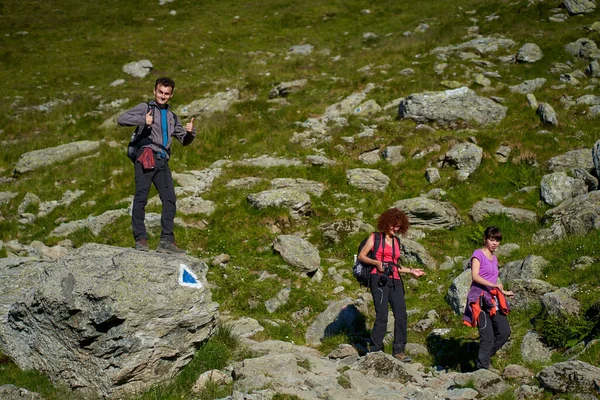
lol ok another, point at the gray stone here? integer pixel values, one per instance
(577, 216)
(593, 69)
(426, 323)
(244, 327)
(280, 299)
(215, 376)
(533, 350)
(425, 213)
(529, 292)
(481, 45)
(94, 223)
(506, 249)
(532, 101)
(415, 253)
(590, 180)
(336, 232)
(347, 105)
(268, 162)
(393, 154)
(580, 158)
(109, 321)
(302, 49)
(368, 179)
(558, 186)
(451, 106)
(514, 371)
(342, 351)
(297, 202)
(576, 7)
(243, 183)
(488, 207)
(560, 303)
(138, 69)
(529, 268)
(502, 154)
(53, 155)
(319, 160)
(12, 392)
(483, 381)
(370, 157)
(6, 197)
(530, 53)
(285, 88)
(458, 290)
(297, 252)
(526, 392)
(221, 259)
(219, 102)
(196, 182)
(596, 158)
(464, 156)
(481, 80)
(547, 114)
(582, 262)
(195, 205)
(583, 48)
(432, 175)
(299, 184)
(340, 316)
(570, 377)
(367, 109)
(528, 86)
(588, 100)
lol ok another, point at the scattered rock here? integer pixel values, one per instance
(368, 179)
(297, 252)
(425, 213)
(285, 88)
(297, 202)
(488, 207)
(576, 7)
(570, 377)
(219, 102)
(53, 155)
(547, 114)
(528, 86)
(138, 69)
(533, 350)
(530, 53)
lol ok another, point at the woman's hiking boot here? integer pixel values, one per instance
(403, 357)
(142, 245)
(169, 248)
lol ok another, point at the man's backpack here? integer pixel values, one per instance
(362, 272)
(141, 137)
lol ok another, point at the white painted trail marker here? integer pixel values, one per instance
(188, 278)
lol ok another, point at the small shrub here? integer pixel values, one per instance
(563, 331)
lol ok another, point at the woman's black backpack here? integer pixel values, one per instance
(362, 272)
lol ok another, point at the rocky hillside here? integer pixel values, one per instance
(312, 119)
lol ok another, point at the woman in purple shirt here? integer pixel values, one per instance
(486, 303)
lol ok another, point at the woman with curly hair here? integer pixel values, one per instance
(386, 282)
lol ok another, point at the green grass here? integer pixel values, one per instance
(73, 51)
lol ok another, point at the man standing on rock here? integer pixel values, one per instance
(157, 125)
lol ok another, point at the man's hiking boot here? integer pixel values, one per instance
(403, 357)
(169, 248)
(142, 245)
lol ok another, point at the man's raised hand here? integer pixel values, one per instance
(190, 125)
(149, 118)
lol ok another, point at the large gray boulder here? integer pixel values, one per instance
(528, 292)
(576, 216)
(299, 184)
(547, 114)
(576, 7)
(529, 53)
(450, 106)
(528, 86)
(571, 377)
(368, 179)
(529, 268)
(458, 290)
(533, 350)
(464, 156)
(336, 232)
(558, 186)
(487, 207)
(53, 155)
(298, 252)
(426, 213)
(415, 253)
(12, 392)
(583, 48)
(297, 202)
(109, 321)
(580, 158)
(138, 69)
(560, 303)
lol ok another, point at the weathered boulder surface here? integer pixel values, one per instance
(529, 268)
(297, 252)
(449, 106)
(53, 155)
(533, 350)
(426, 213)
(576, 216)
(558, 186)
(530, 53)
(415, 253)
(297, 202)
(107, 321)
(580, 158)
(488, 207)
(208, 105)
(338, 231)
(464, 156)
(11, 392)
(528, 292)
(285, 88)
(340, 316)
(368, 179)
(458, 290)
(576, 7)
(571, 377)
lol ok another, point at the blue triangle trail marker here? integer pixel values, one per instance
(188, 278)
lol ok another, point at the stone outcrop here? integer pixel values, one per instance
(558, 186)
(208, 105)
(488, 207)
(368, 179)
(571, 377)
(138, 69)
(107, 321)
(297, 252)
(426, 213)
(53, 155)
(450, 106)
(580, 158)
(338, 231)
(529, 268)
(297, 202)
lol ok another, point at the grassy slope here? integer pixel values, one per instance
(74, 50)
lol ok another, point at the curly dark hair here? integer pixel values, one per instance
(393, 217)
(164, 81)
